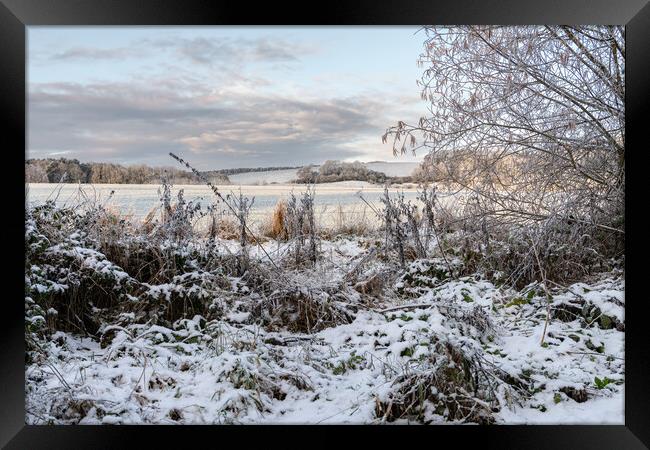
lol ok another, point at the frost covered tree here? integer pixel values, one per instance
(530, 120)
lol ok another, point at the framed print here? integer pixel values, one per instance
(363, 216)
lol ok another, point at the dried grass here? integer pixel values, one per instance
(301, 311)
(275, 226)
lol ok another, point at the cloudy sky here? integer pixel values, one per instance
(220, 97)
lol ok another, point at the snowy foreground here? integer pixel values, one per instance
(410, 347)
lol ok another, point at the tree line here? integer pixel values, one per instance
(51, 170)
(331, 171)
(251, 169)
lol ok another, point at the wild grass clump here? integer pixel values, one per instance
(453, 383)
(551, 251)
(296, 302)
(224, 228)
(275, 226)
(348, 223)
(293, 221)
(302, 311)
(447, 388)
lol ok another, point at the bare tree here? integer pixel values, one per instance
(527, 123)
(531, 118)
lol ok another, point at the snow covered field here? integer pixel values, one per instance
(284, 176)
(393, 169)
(136, 201)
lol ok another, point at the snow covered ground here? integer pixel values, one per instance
(235, 368)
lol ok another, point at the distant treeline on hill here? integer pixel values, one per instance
(332, 171)
(52, 170)
(249, 169)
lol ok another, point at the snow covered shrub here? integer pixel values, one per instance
(243, 374)
(68, 280)
(75, 285)
(422, 274)
(185, 295)
(451, 383)
(452, 380)
(302, 310)
(298, 302)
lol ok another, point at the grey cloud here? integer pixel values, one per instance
(202, 50)
(216, 52)
(93, 53)
(132, 123)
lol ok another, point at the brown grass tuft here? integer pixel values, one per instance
(275, 226)
(148, 223)
(226, 228)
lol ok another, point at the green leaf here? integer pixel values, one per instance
(601, 384)
(517, 301)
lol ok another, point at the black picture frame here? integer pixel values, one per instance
(16, 15)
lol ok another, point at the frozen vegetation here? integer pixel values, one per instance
(501, 303)
(291, 321)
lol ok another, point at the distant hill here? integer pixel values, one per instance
(278, 176)
(248, 170)
(52, 170)
(393, 168)
(335, 171)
